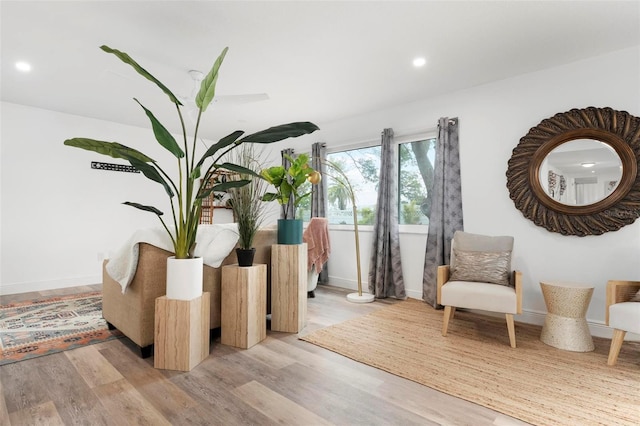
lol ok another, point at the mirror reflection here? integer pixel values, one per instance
(580, 172)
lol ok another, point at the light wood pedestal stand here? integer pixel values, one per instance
(181, 339)
(244, 305)
(288, 287)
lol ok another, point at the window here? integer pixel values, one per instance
(303, 211)
(362, 167)
(415, 160)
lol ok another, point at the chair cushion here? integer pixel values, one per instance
(477, 295)
(625, 316)
(482, 266)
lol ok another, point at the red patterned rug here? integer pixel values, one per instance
(43, 327)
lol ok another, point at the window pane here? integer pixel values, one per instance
(362, 167)
(416, 160)
(303, 211)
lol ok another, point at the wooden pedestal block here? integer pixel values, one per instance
(288, 287)
(244, 305)
(181, 339)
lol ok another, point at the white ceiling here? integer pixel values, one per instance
(317, 61)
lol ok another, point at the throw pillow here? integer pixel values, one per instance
(636, 297)
(477, 242)
(482, 266)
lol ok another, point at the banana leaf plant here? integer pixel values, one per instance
(188, 208)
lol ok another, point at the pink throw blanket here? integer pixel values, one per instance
(317, 238)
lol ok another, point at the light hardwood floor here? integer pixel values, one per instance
(282, 380)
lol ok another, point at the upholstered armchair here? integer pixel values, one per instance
(480, 277)
(622, 314)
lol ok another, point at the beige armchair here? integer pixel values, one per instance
(133, 313)
(480, 277)
(622, 313)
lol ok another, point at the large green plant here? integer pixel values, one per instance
(187, 211)
(288, 183)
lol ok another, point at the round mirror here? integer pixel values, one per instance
(580, 172)
(576, 173)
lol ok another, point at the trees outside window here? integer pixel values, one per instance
(415, 180)
(362, 166)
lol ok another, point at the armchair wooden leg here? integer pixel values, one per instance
(616, 344)
(448, 314)
(512, 330)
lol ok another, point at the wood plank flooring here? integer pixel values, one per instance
(281, 381)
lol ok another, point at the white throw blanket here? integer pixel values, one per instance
(213, 244)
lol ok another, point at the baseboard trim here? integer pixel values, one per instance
(346, 283)
(27, 287)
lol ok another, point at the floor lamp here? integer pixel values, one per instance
(341, 178)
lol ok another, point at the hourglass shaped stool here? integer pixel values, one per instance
(565, 326)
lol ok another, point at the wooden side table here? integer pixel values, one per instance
(181, 332)
(244, 305)
(565, 326)
(288, 287)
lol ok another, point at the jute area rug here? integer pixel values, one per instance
(535, 383)
(42, 327)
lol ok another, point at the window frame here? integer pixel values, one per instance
(398, 139)
(406, 228)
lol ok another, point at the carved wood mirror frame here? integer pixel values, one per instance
(618, 129)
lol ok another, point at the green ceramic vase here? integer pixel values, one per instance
(289, 231)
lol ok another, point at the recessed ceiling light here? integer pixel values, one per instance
(587, 164)
(23, 66)
(419, 62)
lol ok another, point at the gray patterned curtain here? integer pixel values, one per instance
(288, 208)
(385, 268)
(445, 217)
(318, 195)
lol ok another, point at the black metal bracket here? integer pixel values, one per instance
(113, 167)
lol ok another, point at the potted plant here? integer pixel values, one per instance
(183, 191)
(246, 203)
(288, 183)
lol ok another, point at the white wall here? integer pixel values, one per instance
(59, 217)
(493, 118)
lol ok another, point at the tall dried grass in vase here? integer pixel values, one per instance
(246, 201)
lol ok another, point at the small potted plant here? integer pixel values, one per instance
(246, 202)
(288, 183)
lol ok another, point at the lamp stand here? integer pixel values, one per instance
(358, 297)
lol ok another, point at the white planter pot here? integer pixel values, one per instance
(184, 278)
